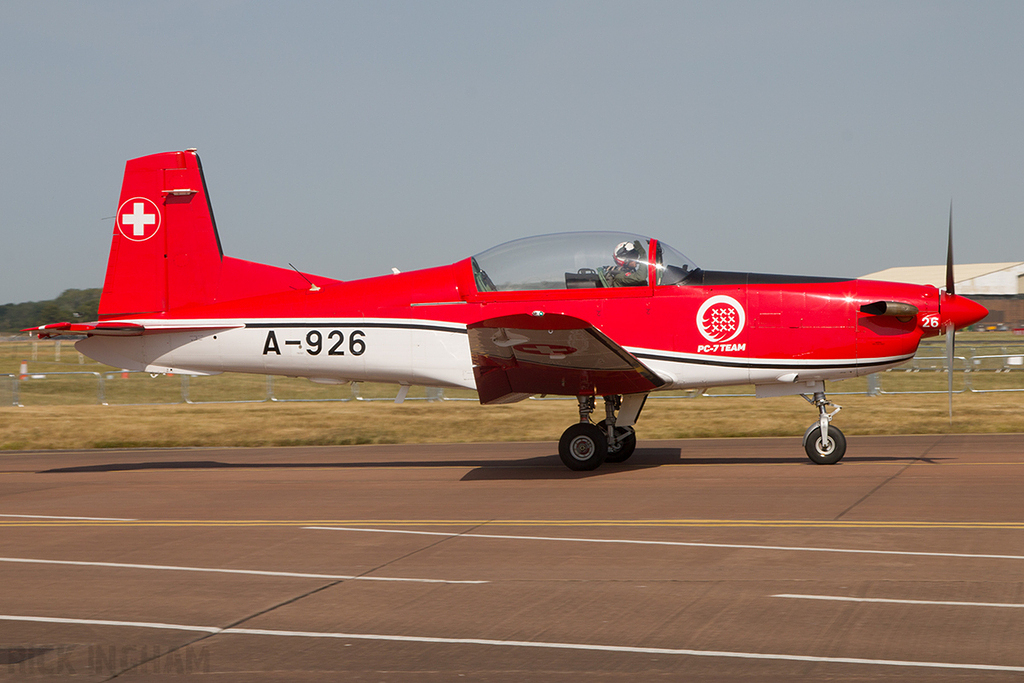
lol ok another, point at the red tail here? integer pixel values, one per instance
(166, 252)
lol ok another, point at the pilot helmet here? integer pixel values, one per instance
(627, 251)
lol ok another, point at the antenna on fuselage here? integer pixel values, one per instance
(312, 287)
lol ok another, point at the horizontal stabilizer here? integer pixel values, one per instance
(116, 329)
(520, 355)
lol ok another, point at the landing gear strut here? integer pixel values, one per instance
(621, 440)
(830, 448)
(584, 446)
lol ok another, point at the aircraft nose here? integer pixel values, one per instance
(960, 310)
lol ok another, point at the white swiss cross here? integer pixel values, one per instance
(138, 219)
(552, 350)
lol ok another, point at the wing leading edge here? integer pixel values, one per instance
(517, 356)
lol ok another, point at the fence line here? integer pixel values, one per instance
(16, 388)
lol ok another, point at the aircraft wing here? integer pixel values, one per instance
(119, 329)
(517, 356)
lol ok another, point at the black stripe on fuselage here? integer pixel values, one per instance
(360, 323)
(768, 366)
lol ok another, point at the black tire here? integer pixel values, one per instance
(621, 451)
(828, 453)
(583, 447)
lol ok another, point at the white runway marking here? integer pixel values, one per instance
(840, 598)
(90, 519)
(518, 643)
(738, 546)
(255, 572)
(107, 622)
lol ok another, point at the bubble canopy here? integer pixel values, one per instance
(580, 260)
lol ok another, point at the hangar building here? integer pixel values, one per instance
(997, 286)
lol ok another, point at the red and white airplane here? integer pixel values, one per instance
(587, 314)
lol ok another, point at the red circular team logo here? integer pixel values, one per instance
(138, 219)
(720, 318)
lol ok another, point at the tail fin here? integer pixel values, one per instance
(166, 253)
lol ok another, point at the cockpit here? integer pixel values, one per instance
(580, 260)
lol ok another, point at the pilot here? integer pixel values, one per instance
(630, 265)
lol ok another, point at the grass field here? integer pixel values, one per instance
(63, 410)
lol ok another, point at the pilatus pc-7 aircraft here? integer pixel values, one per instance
(588, 314)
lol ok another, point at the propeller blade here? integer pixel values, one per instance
(950, 326)
(949, 254)
(950, 347)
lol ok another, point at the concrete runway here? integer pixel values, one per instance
(714, 560)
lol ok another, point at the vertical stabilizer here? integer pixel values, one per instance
(165, 253)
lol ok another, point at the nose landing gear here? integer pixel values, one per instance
(824, 444)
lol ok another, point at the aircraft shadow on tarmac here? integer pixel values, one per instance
(645, 458)
(540, 467)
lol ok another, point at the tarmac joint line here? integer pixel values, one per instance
(919, 458)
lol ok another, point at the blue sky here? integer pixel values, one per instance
(824, 138)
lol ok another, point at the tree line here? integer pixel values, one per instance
(73, 305)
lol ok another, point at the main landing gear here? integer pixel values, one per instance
(830, 449)
(584, 446)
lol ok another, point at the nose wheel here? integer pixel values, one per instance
(827, 451)
(824, 443)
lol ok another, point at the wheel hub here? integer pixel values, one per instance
(581, 448)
